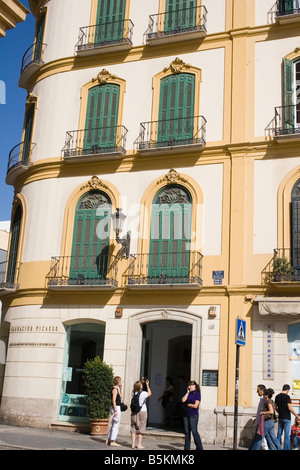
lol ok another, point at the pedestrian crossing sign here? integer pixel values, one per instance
(241, 332)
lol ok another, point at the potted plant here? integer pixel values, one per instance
(98, 383)
(282, 269)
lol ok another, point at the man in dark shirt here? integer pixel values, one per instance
(284, 409)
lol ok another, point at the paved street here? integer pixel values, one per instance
(24, 438)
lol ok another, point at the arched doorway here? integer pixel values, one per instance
(166, 352)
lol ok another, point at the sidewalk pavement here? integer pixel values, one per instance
(25, 438)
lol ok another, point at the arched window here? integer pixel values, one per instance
(295, 225)
(89, 259)
(176, 108)
(13, 249)
(170, 234)
(101, 117)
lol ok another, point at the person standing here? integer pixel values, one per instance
(115, 412)
(284, 408)
(167, 402)
(192, 400)
(139, 418)
(269, 413)
(258, 436)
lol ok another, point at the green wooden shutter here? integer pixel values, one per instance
(110, 21)
(288, 94)
(170, 237)
(176, 108)
(89, 257)
(101, 117)
(27, 135)
(13, 249)
(39, 39)
(289, 5)
(180, 15)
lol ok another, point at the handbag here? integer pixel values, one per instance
(123, 407)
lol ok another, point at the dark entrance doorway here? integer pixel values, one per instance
(166, 352)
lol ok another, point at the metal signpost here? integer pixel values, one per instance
(240, 341)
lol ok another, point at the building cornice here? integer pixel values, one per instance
(11, 13)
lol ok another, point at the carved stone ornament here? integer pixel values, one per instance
(172, 178)
(165, 314)
(94, 183)
(177, 66)
(103, 77)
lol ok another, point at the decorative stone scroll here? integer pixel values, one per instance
(177, 66)
(103, 77)
(172, 178)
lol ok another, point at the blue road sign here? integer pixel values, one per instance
(241, 332)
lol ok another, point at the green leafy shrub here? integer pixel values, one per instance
(98, 383)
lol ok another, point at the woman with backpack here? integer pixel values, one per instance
(139, 412)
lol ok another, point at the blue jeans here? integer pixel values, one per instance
(273, 442)
(256, 442)
(285, 425)
(191, 426)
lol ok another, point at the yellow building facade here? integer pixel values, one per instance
(181, 116)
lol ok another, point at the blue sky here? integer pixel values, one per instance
(12, 48)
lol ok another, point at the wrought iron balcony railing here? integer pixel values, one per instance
(287, 120)
(87, 142)
(83, 271)
(284, 266)
(188, 132)
(180, 268)
(9, 272)
(105, 34)
(285, 8)
(177, 22)
(19, 159)
(33, 55)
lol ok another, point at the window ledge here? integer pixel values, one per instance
(157, 148)
(163, 37)
(14, 172)
(28, 72)
(291, 18)
(94, 49)
(108, 154)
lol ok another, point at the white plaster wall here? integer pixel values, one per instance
(281, 373)
(268, 175)
(46, 202)
(215, 15)
(268, 79)
(64, 18)
(59, 99)
(263, 8)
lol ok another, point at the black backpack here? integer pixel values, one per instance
(135, 405)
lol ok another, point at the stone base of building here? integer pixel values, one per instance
(30, 412)
(225, 426)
